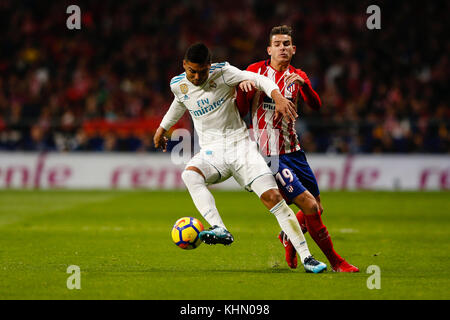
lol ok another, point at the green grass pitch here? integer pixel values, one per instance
(121, 242)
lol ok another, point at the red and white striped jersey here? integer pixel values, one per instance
(275, 137)
(278, 136)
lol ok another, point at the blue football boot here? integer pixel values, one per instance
(313, 266)
(215, 235)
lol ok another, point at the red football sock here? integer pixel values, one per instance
(320, 235)
(301, 220)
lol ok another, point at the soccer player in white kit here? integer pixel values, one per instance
(207, 91)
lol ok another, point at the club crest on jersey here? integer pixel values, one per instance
(184, 88)
(212, 84)
(289, 91)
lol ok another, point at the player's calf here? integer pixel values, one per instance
(290, 253)
(302, 221)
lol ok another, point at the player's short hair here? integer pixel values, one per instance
(198, 53)
(284, 29)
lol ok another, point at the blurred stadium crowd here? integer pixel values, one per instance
(105, 87)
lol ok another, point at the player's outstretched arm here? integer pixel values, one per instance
(283, 106)
(233, 76)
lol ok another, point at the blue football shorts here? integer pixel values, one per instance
(294, 176)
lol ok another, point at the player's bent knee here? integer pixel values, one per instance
(320, 209)
(271, 197)
(191, 177)
(194, 169)
(314, 208)
(307, 203)
(309, 206)
(263, 184)
(319, 204)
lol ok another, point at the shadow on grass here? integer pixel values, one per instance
(181, 271)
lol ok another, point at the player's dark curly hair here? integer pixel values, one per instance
(284, 29)
(198, 53)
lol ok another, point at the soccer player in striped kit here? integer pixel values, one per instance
(276, 137)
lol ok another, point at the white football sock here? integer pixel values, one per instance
(289, 224)
(202, 197)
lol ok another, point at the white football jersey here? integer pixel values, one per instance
(211, 105)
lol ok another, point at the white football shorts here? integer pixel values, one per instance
(240, 160)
